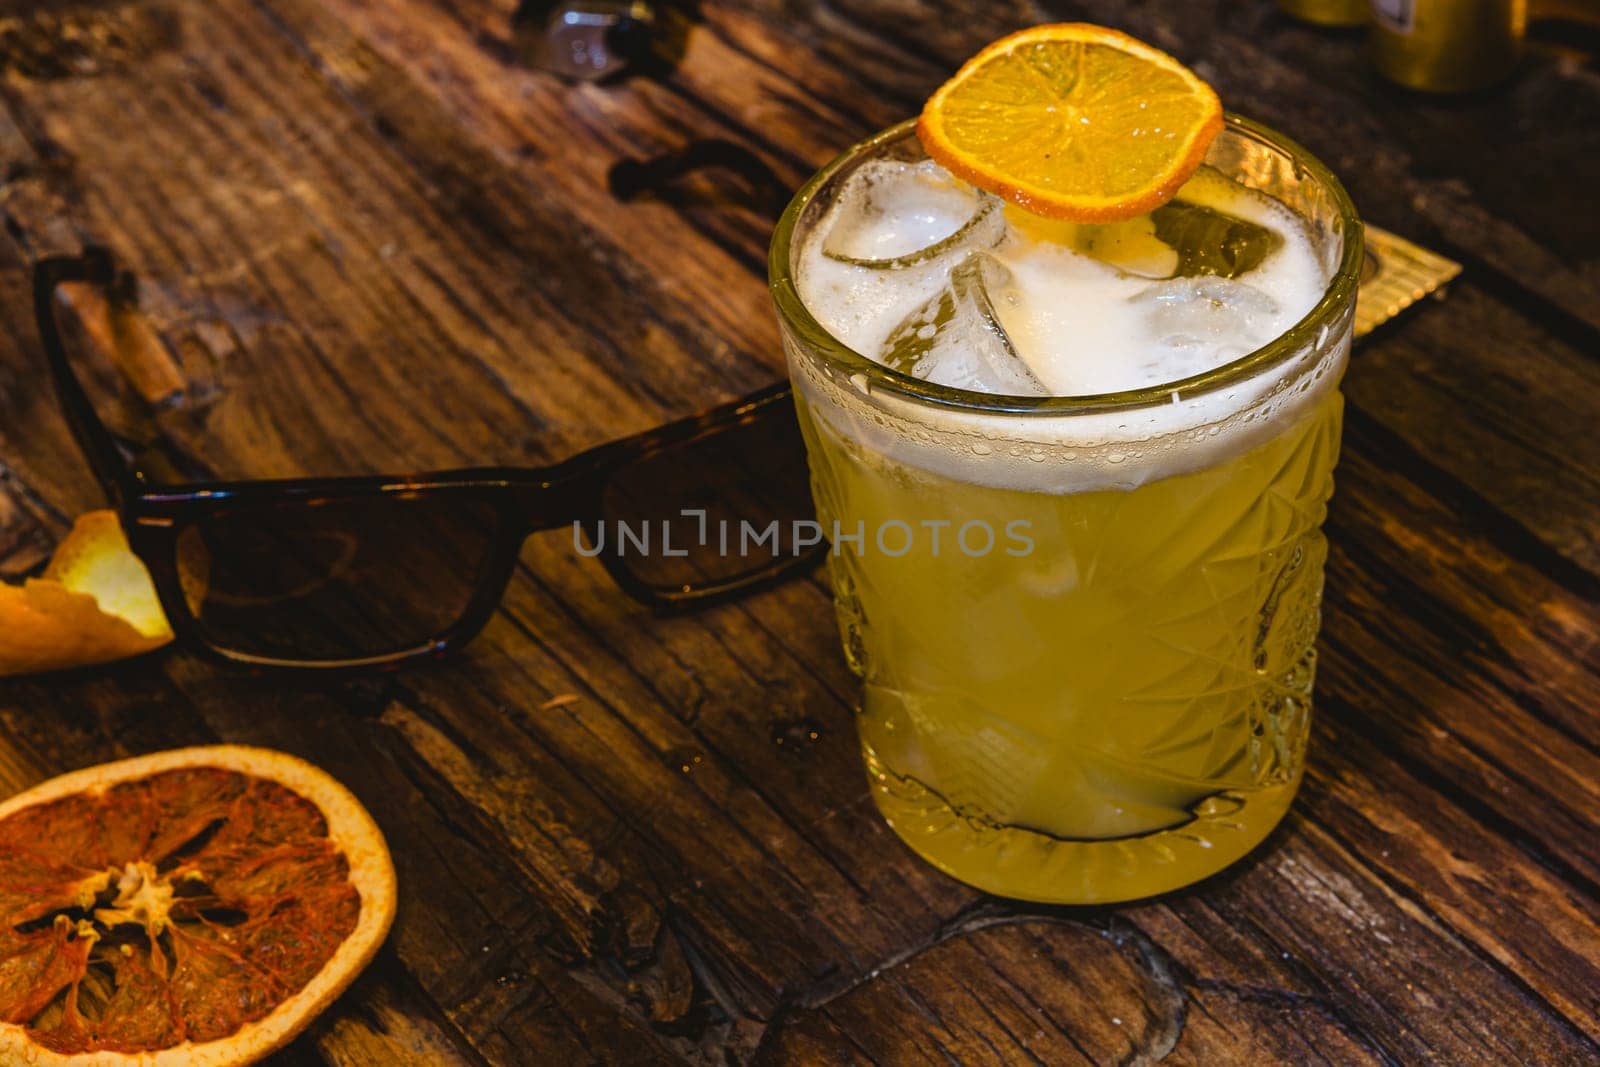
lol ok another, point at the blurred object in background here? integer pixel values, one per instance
(583, 40)
(1448, 46)
(1444, 46)
(1585, 11)
(1329, 12)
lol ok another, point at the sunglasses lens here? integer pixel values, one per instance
(327, 582)
(704, 515)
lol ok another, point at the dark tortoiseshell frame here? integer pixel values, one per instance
(525, 500)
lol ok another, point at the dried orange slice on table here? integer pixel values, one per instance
(194, 908)
(1073, 121)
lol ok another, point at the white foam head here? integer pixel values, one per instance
(1084, 311)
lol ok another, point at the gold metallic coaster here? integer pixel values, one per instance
(1396, 275)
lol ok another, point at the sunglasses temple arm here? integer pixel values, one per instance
(570, 492)
(94, 439)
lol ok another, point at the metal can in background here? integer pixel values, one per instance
(1448, 46)
(1329, 12)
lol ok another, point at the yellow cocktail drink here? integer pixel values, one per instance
(1075, 478)
(1120, 710)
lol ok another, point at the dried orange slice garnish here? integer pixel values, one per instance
(94, 604)
(197, 907)
(1073, 121)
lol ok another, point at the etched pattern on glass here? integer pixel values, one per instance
(1135, 692)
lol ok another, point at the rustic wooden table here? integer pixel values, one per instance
(371, 241)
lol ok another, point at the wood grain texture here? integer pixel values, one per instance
(366, 239)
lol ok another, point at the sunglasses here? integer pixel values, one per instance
(364, 571)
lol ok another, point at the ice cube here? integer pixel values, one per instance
(1131, 246)
(1209, 241)
(1204, 322)
(956, 339)
(892, 214)
(1179, 239)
